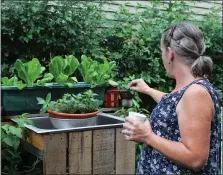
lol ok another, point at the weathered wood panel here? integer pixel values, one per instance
(80, 147)
(104, 151)
(54, 153)
(125, 154)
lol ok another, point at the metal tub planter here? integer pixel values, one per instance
(93, 146)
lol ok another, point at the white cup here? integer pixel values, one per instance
(137, 116)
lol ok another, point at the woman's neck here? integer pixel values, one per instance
(183, 77)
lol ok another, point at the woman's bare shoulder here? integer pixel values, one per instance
(196, 90)
(196, 99)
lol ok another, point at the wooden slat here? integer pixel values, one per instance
(80, 147)
(35, 139)
(103, 151)
(54, 153)
(125, 154)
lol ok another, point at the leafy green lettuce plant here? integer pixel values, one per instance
(30, 74)
(96, 73)
(13, 81)
(62, 69)
(29, 71)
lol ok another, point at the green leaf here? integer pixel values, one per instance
(12, 142)
(70, 85)
(42, 69)
(48, 98)
(56, 66)
(61, 78)
(5, 81)
(20, 85)
(20, 122)
(25, 115)
(40, 100)
(16, 131)
(9, 141)
(47, 78)
(113, 83)
(5, 127)
(44, 108)
(72, 65)
(30, 36)
(73, 79)
(23, 120)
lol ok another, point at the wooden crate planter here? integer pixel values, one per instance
(103, 151)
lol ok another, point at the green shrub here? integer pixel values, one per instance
(43, 30)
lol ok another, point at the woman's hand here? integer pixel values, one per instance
(139, 132)
(139, 85)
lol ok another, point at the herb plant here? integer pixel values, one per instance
(73, 104)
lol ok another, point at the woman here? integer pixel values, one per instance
(182, 136)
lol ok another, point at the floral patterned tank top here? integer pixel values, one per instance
(164, 123)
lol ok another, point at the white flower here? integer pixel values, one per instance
(174, 168)
(158, 133)
(154, 161)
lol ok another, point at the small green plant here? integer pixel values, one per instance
(10, 141)
(13, 81)
(45, 103)
(123, 85)
(73, 104)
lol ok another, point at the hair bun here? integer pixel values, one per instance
(202, 66)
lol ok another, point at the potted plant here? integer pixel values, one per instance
(71, 109)
(19, 92)
(125, 93)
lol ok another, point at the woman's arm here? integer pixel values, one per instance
(140, 86)
(155, 94)
(195, 112)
